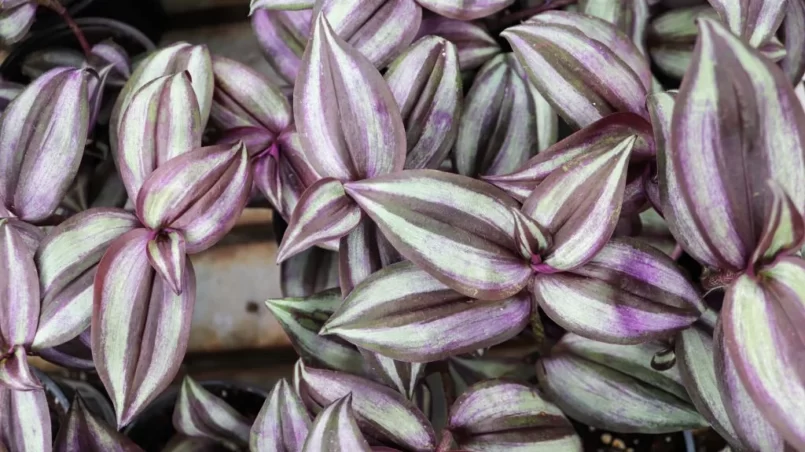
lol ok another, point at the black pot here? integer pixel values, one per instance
(145, 15)
(153, 428)
(95, 29)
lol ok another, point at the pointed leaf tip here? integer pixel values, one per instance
(200, 413)
(575, 63)
(628, 293)
(166, 252)
(324, 213)
(283, 422)
(404, 313)
(344, 110)
(504, 415)
(425, 81)
(736, 152)
(67, 261)
(380, 411)
(583, 376)
(458, 229)
(302, 320)
(244, 97)
(140, 328)
(579, 204)
(200, 194)
(496, 134)
(42, 136)
(335, 428)
(82, 431)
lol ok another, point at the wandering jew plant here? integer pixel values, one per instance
(502, 225)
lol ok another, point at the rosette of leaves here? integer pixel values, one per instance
(748, 245)
(42, 137)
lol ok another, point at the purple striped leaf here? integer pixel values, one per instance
(793, 31)
(628, 293)
(282, 424)
(404, 313)
(161, 122)
(755, 20)
(718, 394)
(474, 44)
(67, 261)
(635, 197)
(166, 252)
(243, 97)
(81, 431)
(547, 121)
(581, 77)
(42, 137)
(672, 36)
(140, 328)
(605, 32)
(281, 5)
(425, 81)
(309, 272)
(459, 230)
(282, 36)
(605, 133)
(716, 136)
(399, 375)
(282, 173)
(15, 373)
(19, 302)
(614, 387)
(381, 412)
(174, 59)
(200, 194)
(694, 357)
(630, 17)
(498, 415)
(530, 237)
(198, 412)
(323, 213)
(25, 424)
(108, 53)
(752, 428)
(346, 116)
(761, 318)
(335, 428)
(496, 134)
(465, 10)
(579, 204)
(302, 318)
(784, 231)
(358, 256)
(74, 354)
(15, 20)
(378, 29)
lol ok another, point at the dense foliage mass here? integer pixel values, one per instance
(456, 177)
